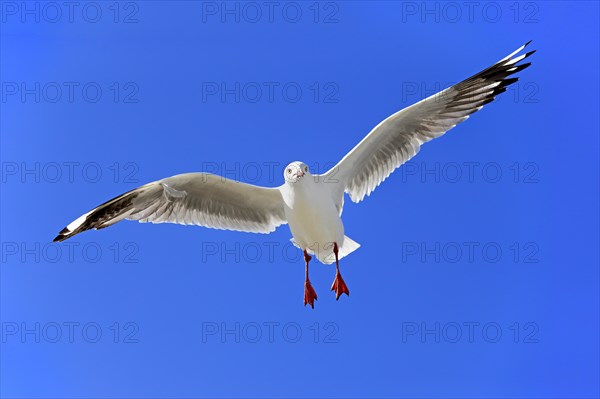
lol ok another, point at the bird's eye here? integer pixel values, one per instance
(289, 171)
(306, 168)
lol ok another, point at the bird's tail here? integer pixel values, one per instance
(347, 247)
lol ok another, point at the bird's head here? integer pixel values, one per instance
(296, 171)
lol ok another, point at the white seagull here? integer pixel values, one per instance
(310, 204)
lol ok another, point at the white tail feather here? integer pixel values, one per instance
(326, 255)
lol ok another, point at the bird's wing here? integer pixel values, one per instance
(399, 137)
(193, 198)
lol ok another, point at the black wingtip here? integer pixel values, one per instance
(63, 235)
(520, 67)
(526, 44)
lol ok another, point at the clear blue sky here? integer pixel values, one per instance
(478, 271)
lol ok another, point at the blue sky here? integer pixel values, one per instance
(478, 271)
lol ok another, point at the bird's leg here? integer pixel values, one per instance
(339, 286)
(309, 292)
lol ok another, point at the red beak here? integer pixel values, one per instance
(299, 173)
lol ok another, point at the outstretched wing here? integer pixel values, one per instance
(399, 137)
(193, 198)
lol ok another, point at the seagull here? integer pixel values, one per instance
(311, 204)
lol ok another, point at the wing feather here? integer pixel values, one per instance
(399, 137)
(193, 198)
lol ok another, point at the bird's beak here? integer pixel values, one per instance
(299, 173)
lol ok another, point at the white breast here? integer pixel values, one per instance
(313, 217)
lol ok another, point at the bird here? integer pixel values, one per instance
(311, 204)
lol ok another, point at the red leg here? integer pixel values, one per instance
(309, 292)
(339, 286)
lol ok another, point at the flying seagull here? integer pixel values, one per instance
(310, 204)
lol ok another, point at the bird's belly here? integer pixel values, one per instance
(315, 228)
